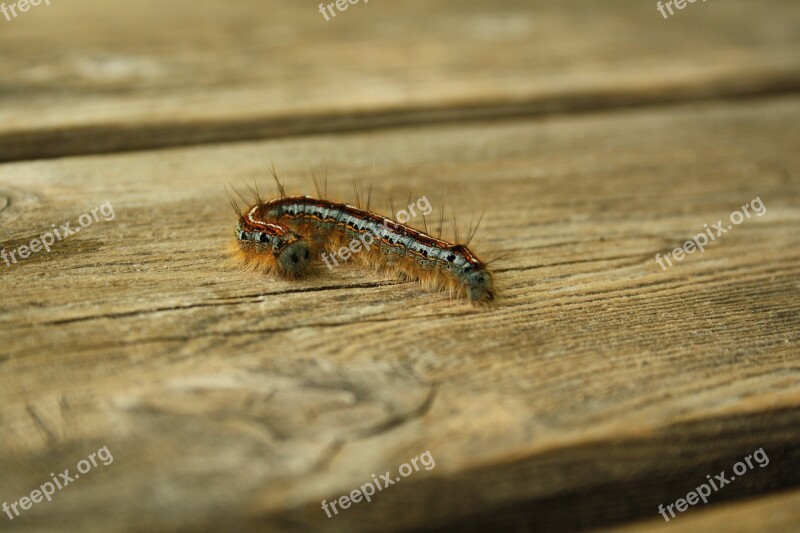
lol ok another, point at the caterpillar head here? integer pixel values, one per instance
(473, 275)
(479, 285)
(275, 247)
(294, 258)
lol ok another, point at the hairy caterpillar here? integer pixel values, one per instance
(284, 235)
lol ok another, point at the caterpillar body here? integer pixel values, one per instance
(284, 236)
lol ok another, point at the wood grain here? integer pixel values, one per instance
(598, 388)
(90, 76)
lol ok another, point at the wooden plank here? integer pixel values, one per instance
(598, 388)
(94, 76)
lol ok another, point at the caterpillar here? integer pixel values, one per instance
(283, 236)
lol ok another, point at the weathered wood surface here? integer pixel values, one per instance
(89, 76)
(598, 388)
